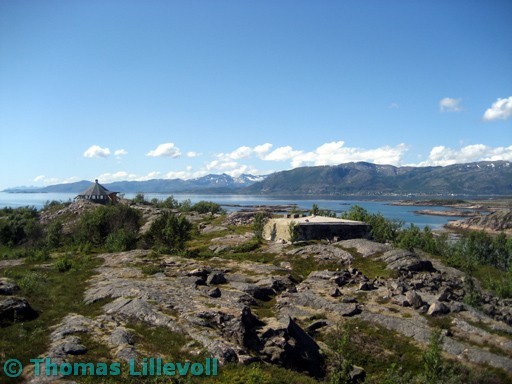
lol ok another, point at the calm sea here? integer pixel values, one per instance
(404, 213)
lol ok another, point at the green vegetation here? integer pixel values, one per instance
(169, 231)
(383, 230)
(292, 232)
(112, 226)
(53, 294)
(478, 254)
(258, 225)
(20, 226)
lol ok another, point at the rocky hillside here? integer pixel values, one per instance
(495, 222)
(280, 305)
(482, 178)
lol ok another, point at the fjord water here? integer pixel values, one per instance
(236, 202)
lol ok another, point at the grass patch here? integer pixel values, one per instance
(53, 295)
(375, 349)
(265, 308)
(303, 266)
(487, 328)
(370, 266)
(162, 342)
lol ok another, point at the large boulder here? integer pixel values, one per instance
(402, 260)
(15, 309)
(8, 287)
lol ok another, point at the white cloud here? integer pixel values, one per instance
(241, 153)
(501, 109)
(165, 150)
(117, 176)
(244, 152)
(282, 154)
(449, 104)
(193, 154)
(97, 151)
(120, 152)
(442, 155)
(217, 165)
(336, 153)
(42, 179)
(394, 106)
(262, 149)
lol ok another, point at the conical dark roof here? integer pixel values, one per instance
(95, 190)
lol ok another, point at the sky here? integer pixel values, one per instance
(137, 90)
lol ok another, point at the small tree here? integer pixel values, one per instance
(315, 210)
(258, 226)
(170, 231)
(433, 366)
(292, 232)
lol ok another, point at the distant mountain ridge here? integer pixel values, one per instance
(362, 179)
(480, 178)
(209, 183)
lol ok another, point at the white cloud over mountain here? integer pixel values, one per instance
(501, 109)
(442, 155)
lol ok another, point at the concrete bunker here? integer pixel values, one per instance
(315, 228)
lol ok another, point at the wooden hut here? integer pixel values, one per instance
(97, 193)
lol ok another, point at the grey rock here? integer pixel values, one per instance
(15, 309)
(366, 286)
(316, 325)
(402, 260)
(214, 292)
(70, 346)
(335, 293)
(290, 346)
(120, 336)
(323, 253)
(216, 278)
(414, 299)
(256, 291)
(8, 287)
(437, 308)
(348, 300)
(365, 247)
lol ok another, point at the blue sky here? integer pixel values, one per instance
(133, 90)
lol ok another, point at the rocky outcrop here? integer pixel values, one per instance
(323, 253)
(402, 260)
(498, 221)
(242, 311)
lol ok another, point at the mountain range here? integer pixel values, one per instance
(207, 184)
(480, 178)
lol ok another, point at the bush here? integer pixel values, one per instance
(207, 207)
(63, 264)
(54, 235)
(170, 231)
(95, 226)
(383, 230)
(19, 226)
(120, 241)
